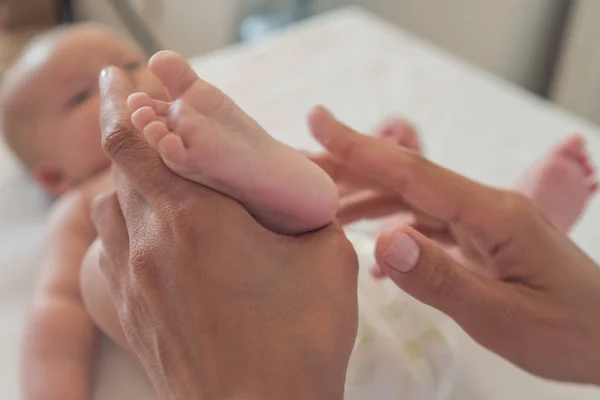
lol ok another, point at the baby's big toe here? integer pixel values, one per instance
(174, 72)
(183, 83)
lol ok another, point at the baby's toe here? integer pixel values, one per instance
(573, 146)
(173, 152)
(587, 166)
(174, 71)
(138, 100)
(155, 131)
(143, 116)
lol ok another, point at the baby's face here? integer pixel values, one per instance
(65, 92)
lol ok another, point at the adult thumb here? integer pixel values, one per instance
(425, 271)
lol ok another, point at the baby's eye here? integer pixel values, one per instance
(132, 66)
(80, 98)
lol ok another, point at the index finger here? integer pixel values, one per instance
(344, 175)
(437, 191)
(125, 146)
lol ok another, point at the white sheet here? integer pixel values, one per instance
(363, 70)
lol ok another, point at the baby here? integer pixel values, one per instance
(50, 116)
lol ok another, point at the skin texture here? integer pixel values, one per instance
(486, 257)
(209, 308)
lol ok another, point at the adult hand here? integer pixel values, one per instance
(514, 282)
(215, 305)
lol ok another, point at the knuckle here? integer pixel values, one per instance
(443, 280)
(117, 136)
(506, 320)
(142, 266)
(183, 214)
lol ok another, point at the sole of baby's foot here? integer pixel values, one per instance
(205, 137)
(561, 183)
(401, 133)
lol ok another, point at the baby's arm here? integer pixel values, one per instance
(60, 337)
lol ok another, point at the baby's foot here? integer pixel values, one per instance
(561, 183)
(205, 137)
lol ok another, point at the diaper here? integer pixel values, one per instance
(404, 349)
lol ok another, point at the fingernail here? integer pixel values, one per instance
(104, 72)
(402, 253)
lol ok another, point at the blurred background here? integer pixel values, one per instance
(549, 47)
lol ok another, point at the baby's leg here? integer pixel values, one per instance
(97, 299)
(561, 183)
(205, 137)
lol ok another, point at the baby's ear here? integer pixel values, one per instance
(51, 179)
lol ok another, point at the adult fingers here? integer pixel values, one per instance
(373, 205)
(425, 271)
(127, 147)
(112, 233)
(368, 205)
(437, 191)
(342, 174)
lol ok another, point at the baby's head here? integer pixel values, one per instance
(50, 102)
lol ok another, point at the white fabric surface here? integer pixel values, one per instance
(363, 70)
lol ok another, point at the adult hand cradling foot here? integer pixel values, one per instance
(217, 306)
(218, 310)
(486, 257)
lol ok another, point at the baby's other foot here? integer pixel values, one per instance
(205, 137)
(561, 183)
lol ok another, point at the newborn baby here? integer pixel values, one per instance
(50, 116)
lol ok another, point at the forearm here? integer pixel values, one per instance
(59, 347)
